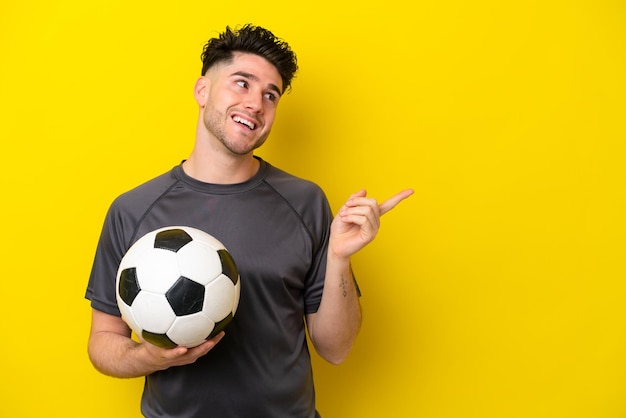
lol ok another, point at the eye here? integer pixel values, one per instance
(242, 83)
(271, 97)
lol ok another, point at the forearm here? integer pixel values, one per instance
(114, 353)
(117, 355)
(334, 327)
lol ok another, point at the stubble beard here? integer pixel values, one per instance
(214, 123)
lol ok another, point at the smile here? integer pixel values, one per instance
(245, 122)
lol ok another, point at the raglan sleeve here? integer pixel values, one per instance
(109, 252)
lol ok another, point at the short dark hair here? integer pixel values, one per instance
(254, 40)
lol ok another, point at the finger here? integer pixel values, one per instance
(217, 338)
(360, 193)
(365, 202)
(357, 208)
(174, 352)
(366, 208)
(354, 198)
(206, 346)
(161, 353)
(391, 203)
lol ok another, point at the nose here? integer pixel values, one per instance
(254, 102)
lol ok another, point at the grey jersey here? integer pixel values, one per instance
(276, 227)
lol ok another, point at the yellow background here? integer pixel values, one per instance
(496, 291)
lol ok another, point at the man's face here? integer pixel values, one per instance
(239, 102)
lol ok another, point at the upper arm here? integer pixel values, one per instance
(104, 322)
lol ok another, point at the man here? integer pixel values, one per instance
(292, 256)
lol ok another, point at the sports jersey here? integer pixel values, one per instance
(276, 227)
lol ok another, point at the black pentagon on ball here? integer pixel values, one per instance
(185, 296)
(228, 266)
(128, 285)
(172, 239)
(160, 340)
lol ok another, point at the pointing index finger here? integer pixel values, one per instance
(391, 203)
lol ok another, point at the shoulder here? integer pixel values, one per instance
(292, 186)
(304, 196)
(144, 195)
(128, 209)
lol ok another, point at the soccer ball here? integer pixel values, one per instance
(177, 286)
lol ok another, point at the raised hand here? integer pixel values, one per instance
(358, 222)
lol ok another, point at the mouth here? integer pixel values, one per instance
(245, 122)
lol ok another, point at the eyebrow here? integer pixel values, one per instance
(252, 77)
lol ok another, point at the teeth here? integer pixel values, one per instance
(244, 121)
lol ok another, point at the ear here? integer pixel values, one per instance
(201, 90)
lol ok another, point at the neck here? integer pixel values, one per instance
(225, 170)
